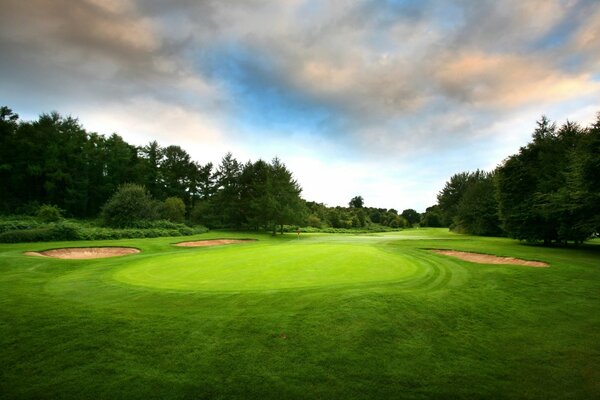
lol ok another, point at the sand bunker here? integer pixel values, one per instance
(83, 253)
(489, 259)
(214, 242)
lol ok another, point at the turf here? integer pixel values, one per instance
(327, 316)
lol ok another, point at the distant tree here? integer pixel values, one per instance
(152, 157)
(226, 201)
(313, 221)
(432, 217)
(177, 173)
(288, 206)
(375, 216)
(130, 204)
(48, 213)
(357, 202)
(8, 159)
(411, 216)
(477, 211)
(202, 214)
(452, 193)
(205, 181)
(173, 209)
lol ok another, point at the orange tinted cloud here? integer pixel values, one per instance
(504, 80)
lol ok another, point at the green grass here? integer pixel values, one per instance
(327, 316)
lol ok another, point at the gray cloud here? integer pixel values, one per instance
(381, 70)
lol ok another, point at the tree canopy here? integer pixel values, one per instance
(549, 191)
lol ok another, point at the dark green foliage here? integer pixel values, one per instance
(352, 217)
(548, 191)
(130, 205)
(27, 235)
(203, 214)
(225, 204)
(23, 230)
(477, 211)
(19, 224)
(357, 202)
(48, 213)
(173, 209)
(452, 193)
(313, 221)
(411, 216)
(432, 217)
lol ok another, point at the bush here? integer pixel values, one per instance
(173, 209)
(313, 221)
(202, 213)
(16, 225)
(48, 213)
(66, 231)
(32, 231)
(30, 235)
(129, 205)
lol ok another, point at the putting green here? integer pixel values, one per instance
(274, 267)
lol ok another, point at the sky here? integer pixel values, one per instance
(383, 99)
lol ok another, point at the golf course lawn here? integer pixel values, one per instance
(324, 316)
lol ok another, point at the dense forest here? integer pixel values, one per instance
(55, 161)
(549, 191)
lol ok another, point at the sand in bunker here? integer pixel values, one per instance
(214, 242)
(489, 259)
(82, 253)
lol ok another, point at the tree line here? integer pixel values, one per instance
(549, 191)
(54, 160)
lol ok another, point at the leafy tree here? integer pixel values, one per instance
(375, 216)
(48, 213)
(411, 216)
(357, 202)
(177, 173)
(202, 214)
(432, 217)
(534, 203)
(477, 211)
(288, 206)
(130, 205)
(8, 153)
(152, 156)
(226, 201)
(173, 209)
(313, 221)
(451, 194)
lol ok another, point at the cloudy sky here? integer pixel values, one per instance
(384, 99)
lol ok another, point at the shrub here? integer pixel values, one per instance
(30, 235)
(129, 205)
(173, 209)
(15, 225)
(66, 231)
(314, 221)
(202, 213)
(48, 213)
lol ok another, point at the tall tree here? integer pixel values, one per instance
(288, 206)
(226, 201)
(177, 173)
(357, 202)
(477, 211)
(531, 185)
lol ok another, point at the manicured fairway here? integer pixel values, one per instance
(327, 316)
